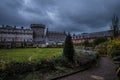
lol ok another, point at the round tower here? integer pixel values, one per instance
(38, 34)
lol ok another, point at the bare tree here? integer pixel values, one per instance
(115, 26)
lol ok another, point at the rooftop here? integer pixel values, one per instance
(37, 26)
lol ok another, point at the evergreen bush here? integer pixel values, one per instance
(68, 51)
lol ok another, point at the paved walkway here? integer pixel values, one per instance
(105, 71)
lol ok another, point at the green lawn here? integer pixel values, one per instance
(28, 54)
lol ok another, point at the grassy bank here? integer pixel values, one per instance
(28, 54)
(41, 63)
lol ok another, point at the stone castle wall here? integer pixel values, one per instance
(37, 36)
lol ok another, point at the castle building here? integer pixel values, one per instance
(15, 37)
(55, 38)
(39, 36)
(36, 36)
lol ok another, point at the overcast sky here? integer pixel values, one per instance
(69, 15)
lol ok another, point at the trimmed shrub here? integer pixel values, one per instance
(68, 51)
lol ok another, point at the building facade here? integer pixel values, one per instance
(55, 38)
(39, 36)
(36, 36)
(79, 38)
(15, 37)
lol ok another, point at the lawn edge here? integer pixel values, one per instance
(68, 74)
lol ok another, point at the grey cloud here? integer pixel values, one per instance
(69, 15)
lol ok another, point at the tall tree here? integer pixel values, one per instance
(115, 26)
(68, 50)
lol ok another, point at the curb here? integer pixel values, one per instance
(72, 73)
(65, 75)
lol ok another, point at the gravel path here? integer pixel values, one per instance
(105, 71)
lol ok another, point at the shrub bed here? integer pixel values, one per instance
(14, 69)
(112, 49)
(57, 65)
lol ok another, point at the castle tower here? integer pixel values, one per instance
(38, 34)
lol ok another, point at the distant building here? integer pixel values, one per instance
(39, 36)
(36, 36)
(91, 36)
(42, 37)
(56, 38)
(15, 37)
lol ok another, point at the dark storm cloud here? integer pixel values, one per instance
(60, 15)
(9, 12)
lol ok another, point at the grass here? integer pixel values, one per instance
(28, 54)
(35, 54)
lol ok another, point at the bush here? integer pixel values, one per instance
(58, 60)
(68, 51)
(2, 66)
(47, 64)
(114, 49)
(61, 61)
(111, 48)
(20, 68)
(102, 48)
(114, 44)
(98, 41)
(115, 55)
(108, 47)
(14, 69)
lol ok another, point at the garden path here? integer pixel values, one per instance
(105, 71)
